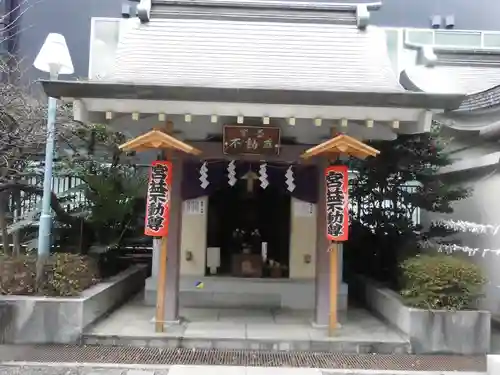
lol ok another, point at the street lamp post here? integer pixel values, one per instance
(53, 58)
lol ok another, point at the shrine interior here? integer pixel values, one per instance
(251, 226)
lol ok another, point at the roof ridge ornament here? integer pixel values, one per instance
(144, 10)
(362, 16)
(276, 4)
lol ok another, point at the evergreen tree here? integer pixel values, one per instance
(390, 188)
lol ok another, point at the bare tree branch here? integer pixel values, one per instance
(60, 212)
(23, 120)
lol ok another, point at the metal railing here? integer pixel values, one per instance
(358, 208)
(25, 202)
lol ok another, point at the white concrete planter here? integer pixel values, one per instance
(34, 319)
(429, 331)
(493, 364)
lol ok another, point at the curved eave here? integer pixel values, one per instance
(113, 90)
(408, 83)
(473, 102)
(445, 79)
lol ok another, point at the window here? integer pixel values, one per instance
(420, 37)
(491, 40)
(459, 39)
(453, 38)
(104, 36)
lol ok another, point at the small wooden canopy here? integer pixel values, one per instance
(157, 139)
(342, 144)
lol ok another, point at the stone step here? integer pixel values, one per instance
(336, 346)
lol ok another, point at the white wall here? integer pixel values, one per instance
(482, 207)
(194, 236)
(302, 239)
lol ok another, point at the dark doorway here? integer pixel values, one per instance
(256, 210)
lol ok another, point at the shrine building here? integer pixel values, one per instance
(241, 92)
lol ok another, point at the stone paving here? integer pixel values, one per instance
(76, 370)
(55, 369)
(248, 329)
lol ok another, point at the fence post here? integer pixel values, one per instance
(16, 214)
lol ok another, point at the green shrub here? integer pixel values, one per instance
(64, 274)
(440, 282)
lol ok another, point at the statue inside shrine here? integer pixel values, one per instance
(247, 242)
(246, 234)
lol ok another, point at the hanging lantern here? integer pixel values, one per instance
(290, 180)
(204, 176)
(263, 176)
(158, 199)
(337, 203)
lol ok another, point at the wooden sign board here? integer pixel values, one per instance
(251, 140)
(158, 199)
(337, 202)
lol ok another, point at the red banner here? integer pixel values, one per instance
(337, 202)
(158, 201)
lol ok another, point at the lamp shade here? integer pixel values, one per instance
(54, 56)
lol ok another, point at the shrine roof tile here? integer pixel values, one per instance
(255, 54)
(481, 100)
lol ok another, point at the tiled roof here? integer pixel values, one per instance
(481, 100)
(254, 54)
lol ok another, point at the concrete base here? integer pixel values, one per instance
(256, 329)
(296, 294)
(429, 331)
(493, 364)
(50, 320)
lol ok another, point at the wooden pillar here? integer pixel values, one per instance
(332, 272)
(161, 290)
(334, 268)
(334, 286)
(174, 244)
(161, 286)
(167, 249)
(167, 299)
(322, 285)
